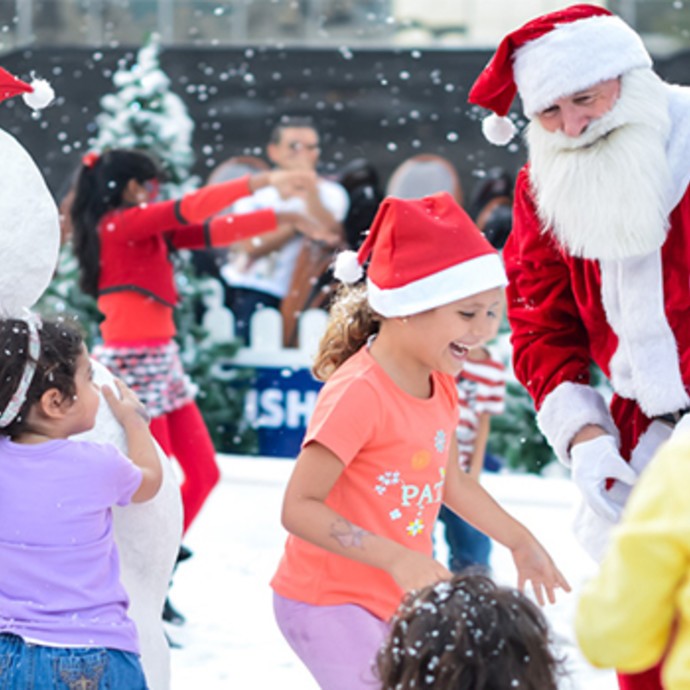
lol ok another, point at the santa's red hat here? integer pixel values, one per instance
(423, 253)
(552, 56)
(36, 95)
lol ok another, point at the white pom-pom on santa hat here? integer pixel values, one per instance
(347, 268)
(498, 130)
(40, 96)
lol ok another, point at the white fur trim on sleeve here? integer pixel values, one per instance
(568, 408)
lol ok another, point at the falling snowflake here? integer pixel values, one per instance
(440, 441)
(415, 528)
(395, 514)
(380, 490)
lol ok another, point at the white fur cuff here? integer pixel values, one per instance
(568, 408)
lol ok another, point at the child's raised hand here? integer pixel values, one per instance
(124, 404)
(292, 182)
(533, 563)
(414, 570)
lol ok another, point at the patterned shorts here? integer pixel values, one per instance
(154, 373)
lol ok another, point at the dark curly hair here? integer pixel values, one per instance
(468, 634)
(61, 345)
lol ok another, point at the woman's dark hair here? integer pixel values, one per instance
(61, 345)
(99, 189)
(468, 634)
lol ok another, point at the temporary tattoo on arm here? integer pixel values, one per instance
(348, 534)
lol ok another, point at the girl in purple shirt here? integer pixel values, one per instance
(63, 611)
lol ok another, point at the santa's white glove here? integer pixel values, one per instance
(593, 463)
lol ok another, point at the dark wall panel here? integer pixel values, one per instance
(385, 105)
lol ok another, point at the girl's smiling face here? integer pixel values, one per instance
(441, 338)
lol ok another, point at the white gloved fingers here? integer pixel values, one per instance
(602, 503)
(648, 444)
(619, 493)
(593, 463)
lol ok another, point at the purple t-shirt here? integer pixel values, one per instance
(59, 568)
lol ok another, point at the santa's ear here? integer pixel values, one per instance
(53, 404)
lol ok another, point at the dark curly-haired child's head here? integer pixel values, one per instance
(56, 365)
(468, 634)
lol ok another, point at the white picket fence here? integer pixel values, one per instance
(265, 333)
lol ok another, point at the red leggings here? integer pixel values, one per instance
(183, 434)
(647, 680)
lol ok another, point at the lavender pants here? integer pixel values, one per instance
(338, 644)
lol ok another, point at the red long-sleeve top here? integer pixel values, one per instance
(136, 283)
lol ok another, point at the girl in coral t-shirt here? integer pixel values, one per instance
(380, 457)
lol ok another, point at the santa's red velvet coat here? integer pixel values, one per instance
(631, 317)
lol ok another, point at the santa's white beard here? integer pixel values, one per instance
(605, 193)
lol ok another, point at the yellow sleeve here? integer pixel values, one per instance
(625, 614)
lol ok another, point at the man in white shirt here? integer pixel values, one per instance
(260, 271)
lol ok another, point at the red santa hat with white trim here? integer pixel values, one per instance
(38, 94)
(552, 56)
(423, 253)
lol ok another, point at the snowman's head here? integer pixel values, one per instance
(29, 221)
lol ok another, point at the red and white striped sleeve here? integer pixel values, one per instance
(489, 376)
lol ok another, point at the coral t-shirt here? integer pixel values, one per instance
(395, 451)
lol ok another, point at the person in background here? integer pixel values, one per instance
(361, 182)
(121, 238)
(491, 206)
(635, 613)
(598, 258)
(481, 392)
(468, 633)
(379, 456)
(259, 273)
(63, 610)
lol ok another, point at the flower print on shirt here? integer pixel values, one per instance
(417, 492)
(440, 441)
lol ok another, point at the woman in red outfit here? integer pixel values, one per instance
(122, 238)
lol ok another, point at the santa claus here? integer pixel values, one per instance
(599, 256)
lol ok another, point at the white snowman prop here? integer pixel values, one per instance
(147, 534)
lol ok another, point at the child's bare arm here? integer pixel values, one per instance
(140, 446)
(306, 515)
(473, 503)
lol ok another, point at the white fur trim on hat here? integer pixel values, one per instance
(568, 408)
(457, 282)
(574, 57)
(498, 130)
(41, 96)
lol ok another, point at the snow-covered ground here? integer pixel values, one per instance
(231, 640)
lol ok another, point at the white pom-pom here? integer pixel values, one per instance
(41, 96)
(347, 268)
(498, 130)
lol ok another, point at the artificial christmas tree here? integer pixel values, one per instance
(145, 115)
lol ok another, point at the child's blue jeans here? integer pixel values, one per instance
(467, 546)
(25, 666)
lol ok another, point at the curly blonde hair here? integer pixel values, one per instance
(351, 323)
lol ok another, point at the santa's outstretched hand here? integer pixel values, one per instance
(594, 464)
